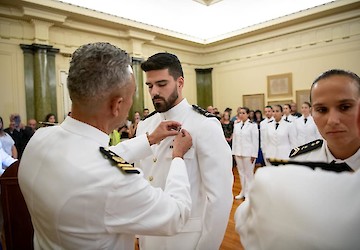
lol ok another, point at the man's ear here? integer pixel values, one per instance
(180, 82)
(115, 105)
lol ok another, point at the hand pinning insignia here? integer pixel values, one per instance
(118, 161)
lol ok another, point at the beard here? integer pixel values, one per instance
(165, 105)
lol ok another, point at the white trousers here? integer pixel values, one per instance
(246, 172)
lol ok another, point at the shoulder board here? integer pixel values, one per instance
(203, 111)
(306, 148)
(149, 115)
(118, 161)
(332, 166)
(270, 121)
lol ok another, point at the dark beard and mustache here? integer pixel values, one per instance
(165, 105)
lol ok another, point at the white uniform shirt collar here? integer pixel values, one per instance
(176, 113)
(247, 121)
(85, 130)
(353, 161)
(269, 119)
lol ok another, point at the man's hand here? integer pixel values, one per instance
(182, 144)
(165, 129)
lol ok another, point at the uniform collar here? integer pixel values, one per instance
(177, 113)
(85, 130)
(247, 121)
(352, 161)
(269, 119)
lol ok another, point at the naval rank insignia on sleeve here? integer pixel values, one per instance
(306, 148)
(118, 161)
(203, 111)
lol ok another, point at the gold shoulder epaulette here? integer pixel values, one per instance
(118, 161)
(203, 111)
(306, 148)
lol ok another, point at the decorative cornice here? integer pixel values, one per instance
(39, 14)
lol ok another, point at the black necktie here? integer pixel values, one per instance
(305, 120)
(242, 125)
(276, 125)
(286, 119)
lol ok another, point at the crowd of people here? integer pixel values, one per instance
(179, 195)
(255, 139)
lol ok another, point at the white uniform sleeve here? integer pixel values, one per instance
(133, 149)
(6, 159)
(255, 140)
(149, 210)
(215, 163)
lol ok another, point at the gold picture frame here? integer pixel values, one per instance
(279, 85)
(254, 102)
(301, 97)
(279, 102)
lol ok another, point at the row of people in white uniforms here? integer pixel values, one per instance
(281, 133)
(278, 137)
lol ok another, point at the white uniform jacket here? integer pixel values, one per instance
(289, 118)
(279, 142)
(305, 132)
(209, 165)
(323, 154)
(78, 200)
(245, 139)
(297, 208)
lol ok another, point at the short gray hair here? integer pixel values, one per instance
(95, 70)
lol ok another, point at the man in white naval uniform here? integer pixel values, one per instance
(209, 161)
(335, 96)
(294, 207)
(76, 197)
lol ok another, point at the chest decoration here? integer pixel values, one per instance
(118, 161)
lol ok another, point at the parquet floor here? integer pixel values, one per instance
(231, 239)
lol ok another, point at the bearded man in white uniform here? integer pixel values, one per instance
(76, 197)
(295, 207)
(209, 161)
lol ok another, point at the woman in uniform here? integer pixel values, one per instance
(305, 127)
(245, 149)
(279, 136)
